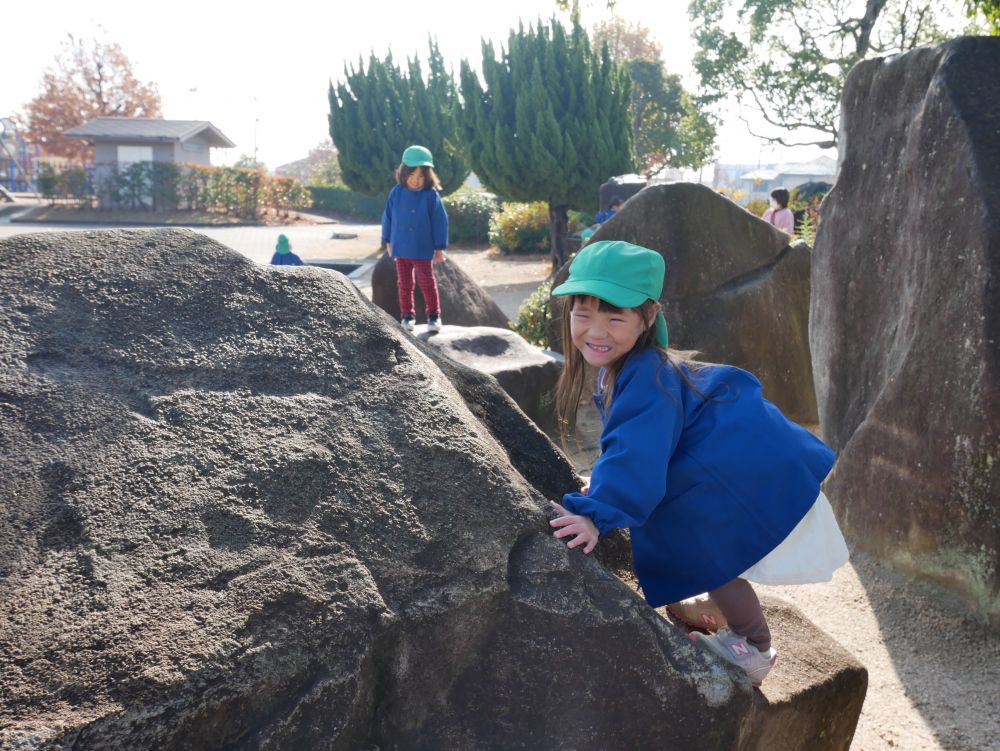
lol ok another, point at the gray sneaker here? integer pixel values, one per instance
(407, 323)
(741, 653)
(698, 612)
(433, 323)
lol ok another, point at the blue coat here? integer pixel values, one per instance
(286, 259)
(415, 222)
(707, 488)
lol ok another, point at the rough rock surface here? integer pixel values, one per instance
(463, 302)
(528, 374)
(243, 510)
(905, 325)
(735, 290)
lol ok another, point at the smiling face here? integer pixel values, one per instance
(603, 336)
(416, 180)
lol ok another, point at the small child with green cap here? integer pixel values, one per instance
(415, 234)
(716, 486)
(283, 255)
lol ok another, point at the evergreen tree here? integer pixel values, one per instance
(551, 124)
(375, 113)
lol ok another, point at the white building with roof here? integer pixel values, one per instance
(124, 140)
(760, 182)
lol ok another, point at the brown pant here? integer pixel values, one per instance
(739, 603)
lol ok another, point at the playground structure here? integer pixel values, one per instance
(19, 161)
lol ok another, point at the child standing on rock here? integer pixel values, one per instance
(717, 487)
(415, 233)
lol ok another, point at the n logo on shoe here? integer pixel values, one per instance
(739, 648)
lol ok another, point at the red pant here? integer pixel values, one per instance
(425, 278)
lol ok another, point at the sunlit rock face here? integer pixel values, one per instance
(905, 319)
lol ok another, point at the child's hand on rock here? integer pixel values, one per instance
(580, 528)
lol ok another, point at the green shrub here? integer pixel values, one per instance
(469, 216)
(521, 228)
(533, 315)
(345, 201)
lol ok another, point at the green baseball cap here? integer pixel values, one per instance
(418, 156)
(620, 273)
(282, 247)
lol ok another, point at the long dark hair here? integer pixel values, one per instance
(573, 378)
(431, 179)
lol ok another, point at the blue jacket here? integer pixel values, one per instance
(415, 222)
(286, 259)
(602, 216)
(707, 488)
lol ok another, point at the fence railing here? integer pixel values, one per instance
(169, 186)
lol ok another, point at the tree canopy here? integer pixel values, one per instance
(668, 129)
(549, 121)
(376, 112)
(788, 59)
(89, 78)
(990, 10)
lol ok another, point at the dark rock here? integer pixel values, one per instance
(905, 327)
(243, 510)
(622, 187)
(813, 673)
(735, 289)
(527, 373)
(463, 302)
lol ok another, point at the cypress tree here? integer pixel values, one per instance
(551, 124)
(376, 112)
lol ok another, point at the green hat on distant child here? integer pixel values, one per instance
(620, 273)
(418, 156)
(283, 247)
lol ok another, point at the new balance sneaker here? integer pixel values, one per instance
(433, 323)
(407, 323)
(741, 653)
(698, 612)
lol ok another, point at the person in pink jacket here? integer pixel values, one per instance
(779, 214)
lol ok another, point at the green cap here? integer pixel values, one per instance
(418, 156)
(282, 247)
(620, 273)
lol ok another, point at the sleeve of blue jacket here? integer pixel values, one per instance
(387, 217)
(439, 223)
(642, 430)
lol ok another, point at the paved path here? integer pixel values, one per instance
(310, 241)
(313, 242)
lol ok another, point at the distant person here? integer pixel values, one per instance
(283, 255)
(602, 216)
(779, 214)
(717, 487)
(415, 233)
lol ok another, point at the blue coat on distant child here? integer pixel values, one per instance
(283, 255)
(415, 223)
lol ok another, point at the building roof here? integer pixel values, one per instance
(148, 129)
(823, 165)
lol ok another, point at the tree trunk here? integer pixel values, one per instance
(558, 222)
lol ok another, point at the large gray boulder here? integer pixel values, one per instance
(528, 374)
(243, 510)
(905, 326)
(463, 302)
(736, 290)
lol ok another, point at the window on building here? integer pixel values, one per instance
(128, 154)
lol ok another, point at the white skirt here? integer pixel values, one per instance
(810, 554)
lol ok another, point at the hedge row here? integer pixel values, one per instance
(345, 201)
(168, 186)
